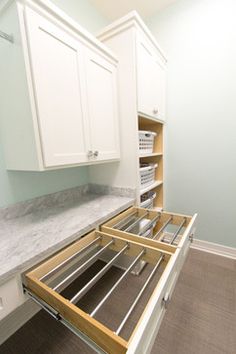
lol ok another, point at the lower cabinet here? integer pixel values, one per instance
(116, 322)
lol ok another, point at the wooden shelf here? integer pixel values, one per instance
(151, 154)
(149, 119)
(145, 123)
(148, 188)
(158, 208)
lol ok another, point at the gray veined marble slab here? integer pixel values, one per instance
(30, 238)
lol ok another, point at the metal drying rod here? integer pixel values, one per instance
(132, 265)
(98, 276)
(66, 281)
(146, 227)
(174, 235)
(68, 260)
(139, 295)
(130, 227)
(149, 224)
(162, 228)
(135, 222)
(177, 231)
(125, 220)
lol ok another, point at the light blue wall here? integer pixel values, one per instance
(19, 186)
(199, 37)
(83, 12)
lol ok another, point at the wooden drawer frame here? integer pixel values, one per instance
(159, 219)
(100, 337)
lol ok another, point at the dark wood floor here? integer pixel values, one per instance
(201, 317)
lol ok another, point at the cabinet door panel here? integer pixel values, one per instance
(145, 80)
(151, 81)
(56, 60)
(102, 107)
(159, 87)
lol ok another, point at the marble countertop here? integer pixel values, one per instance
(27, 240)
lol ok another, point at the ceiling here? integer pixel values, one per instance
(113, 9)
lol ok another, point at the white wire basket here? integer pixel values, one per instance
(147, 174)
(147, 200)
(146, 142)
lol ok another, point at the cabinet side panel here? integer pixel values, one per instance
(123, 173)
(15, 111)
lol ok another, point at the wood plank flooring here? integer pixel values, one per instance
(201, 318)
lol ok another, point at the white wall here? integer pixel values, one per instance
(199, 37)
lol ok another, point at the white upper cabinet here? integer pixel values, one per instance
(57, 71)
(102, 107)
(151, 83)
(71, 90)
(142, 65)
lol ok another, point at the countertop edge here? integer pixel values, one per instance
(20, 269)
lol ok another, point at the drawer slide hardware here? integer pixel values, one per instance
(43, 304)
(59, 318)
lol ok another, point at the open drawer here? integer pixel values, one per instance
(129, 326)
(170, 231)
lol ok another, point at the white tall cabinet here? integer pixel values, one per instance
(142, 84)
(71, 91)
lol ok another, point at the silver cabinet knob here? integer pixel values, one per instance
(166, 300)
(155, 110)
(95, 154)
(191, 236)
(90, 153)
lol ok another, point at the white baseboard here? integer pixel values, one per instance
(214, 248)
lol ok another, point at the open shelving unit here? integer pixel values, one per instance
(150, 124)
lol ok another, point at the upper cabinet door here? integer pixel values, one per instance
(150, 80)
(57, 75)
(102, 106)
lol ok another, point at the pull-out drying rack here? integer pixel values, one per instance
(47, 284)
(168, 229)
(130, 223)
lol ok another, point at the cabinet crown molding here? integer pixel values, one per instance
(132, 19)
(46, 5)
